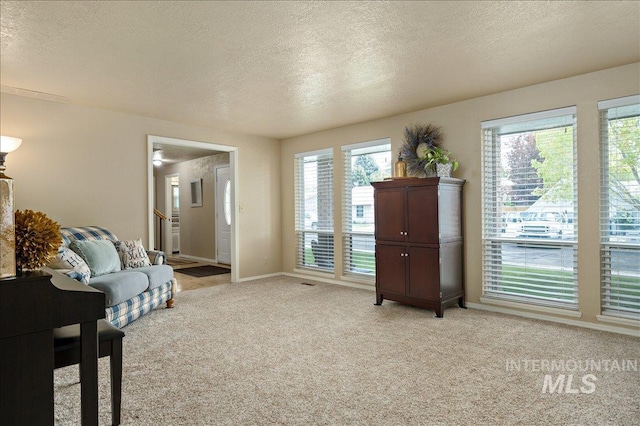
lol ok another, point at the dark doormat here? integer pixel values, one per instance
(203, 271)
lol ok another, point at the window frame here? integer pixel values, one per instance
(506, 279)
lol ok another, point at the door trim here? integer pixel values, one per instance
(233, 174)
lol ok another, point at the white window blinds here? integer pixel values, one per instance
(620, 207)
(314, 210)
(529, 209)
(363, 163)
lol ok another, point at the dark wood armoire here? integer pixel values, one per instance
(419, 245)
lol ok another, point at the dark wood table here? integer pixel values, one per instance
(31, 306)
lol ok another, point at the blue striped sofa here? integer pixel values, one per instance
(125, 298)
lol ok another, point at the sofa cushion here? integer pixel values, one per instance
(71, 264)
(157, 274)
(120, 286)
(132, 254)
(100, 255)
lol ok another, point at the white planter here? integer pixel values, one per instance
(443, 170)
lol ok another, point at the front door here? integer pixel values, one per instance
(223, 215)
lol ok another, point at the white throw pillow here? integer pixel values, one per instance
(132, 254)
(74, 266)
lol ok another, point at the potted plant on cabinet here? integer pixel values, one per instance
(442, 161)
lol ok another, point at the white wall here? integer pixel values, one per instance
(88, 166)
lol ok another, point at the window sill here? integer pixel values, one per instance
(536, 308)
(617, 320)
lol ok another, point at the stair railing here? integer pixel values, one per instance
(159, 217)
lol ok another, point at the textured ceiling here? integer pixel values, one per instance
(282, 69)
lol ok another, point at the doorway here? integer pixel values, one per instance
(161, 141)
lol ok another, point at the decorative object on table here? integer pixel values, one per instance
(37, 240)
(400, 168)
(419, 140)
(441, 159)
(7, 221)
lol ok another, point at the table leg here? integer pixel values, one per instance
(89, 372)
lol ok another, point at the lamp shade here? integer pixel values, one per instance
(9, 144)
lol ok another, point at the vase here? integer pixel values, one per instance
(443, 170)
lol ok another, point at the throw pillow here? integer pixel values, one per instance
(73, 264)
(132, 254)
(100, 255)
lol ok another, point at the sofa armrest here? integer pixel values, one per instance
(157, 257)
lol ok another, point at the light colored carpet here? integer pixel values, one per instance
(274, 351)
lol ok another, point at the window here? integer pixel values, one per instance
(529, 202)
(363, 163)
(227, 202)
(314, 210)
(175, 196)
(620, 207)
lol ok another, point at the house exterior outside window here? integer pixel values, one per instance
(529, 205)
(363, 163)
(314, 210)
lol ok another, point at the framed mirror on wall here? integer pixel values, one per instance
(196, 192)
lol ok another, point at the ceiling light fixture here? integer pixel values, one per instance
(157, 157)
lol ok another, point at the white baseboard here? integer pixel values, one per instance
(259, 277)
(330, 280)
(311, 277)
(567, 321)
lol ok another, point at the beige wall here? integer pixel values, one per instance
(197, 230)
(83, 166)
(461, 124)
